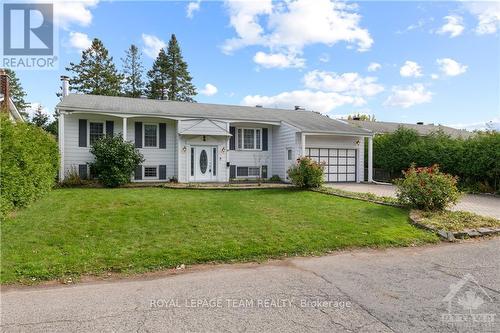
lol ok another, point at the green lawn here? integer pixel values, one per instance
(92, 231)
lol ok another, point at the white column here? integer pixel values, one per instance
(370, 159)
(124, 130)
(60, 136)
(303, 144)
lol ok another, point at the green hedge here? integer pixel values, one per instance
(476, 160)
(29, 164)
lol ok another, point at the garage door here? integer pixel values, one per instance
(340, 164)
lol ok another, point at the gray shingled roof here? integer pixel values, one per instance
(306, 121)
(388, 127)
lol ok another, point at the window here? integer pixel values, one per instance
(96, 131)
(247, 171)
(150, 135)
(214, 159)
(150, 172)
(242, 171)
(254, 172)
(289, 152)
(192, 161)
(249, 138)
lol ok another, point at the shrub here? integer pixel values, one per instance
(306, 173)
(29, 163)
(275, 178)
(72, 178)
(115, 160)
(476, 160)
(427, 188)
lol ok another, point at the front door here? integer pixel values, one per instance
(203, 163)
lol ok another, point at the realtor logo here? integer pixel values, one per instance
(28, 33)
(469, 306)
(28, 29)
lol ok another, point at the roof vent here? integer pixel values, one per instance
(299, 108)
(258, 106)
(420, 123)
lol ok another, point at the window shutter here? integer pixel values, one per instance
(138, 172)
(264, 172)
(162, 172)
(82, 171)
(109, 127)
(138, 135)
(82, 132)
(264, 139)
(163, 136)
(232, 171)
(232, 140)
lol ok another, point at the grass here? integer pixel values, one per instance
(457, 220)
(92, 231)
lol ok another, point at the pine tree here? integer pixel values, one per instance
(157, 86)
(17, 93)
(39, 118)
(179, 86)
(95, 74)
(132, 72)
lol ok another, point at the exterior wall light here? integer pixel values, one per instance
(223, 150)
(184, 149)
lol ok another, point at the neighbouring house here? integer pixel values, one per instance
(197, 142)
(6, 103)
(381, 127)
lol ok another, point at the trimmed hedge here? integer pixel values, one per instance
(29, 164)
(476, 160)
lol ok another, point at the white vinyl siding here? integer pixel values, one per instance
(284, 138)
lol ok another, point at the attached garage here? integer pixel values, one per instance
(340, 164)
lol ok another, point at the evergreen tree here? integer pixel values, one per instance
(40, 118)
(95, 74)
(17, 93)
(158, 77)
(132, 72)
(179, 86)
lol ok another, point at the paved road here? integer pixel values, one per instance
(480, 204)
(396, 290)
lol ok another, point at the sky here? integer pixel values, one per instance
(432, 61)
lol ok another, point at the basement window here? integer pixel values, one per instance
(247, 171)
(150, 172)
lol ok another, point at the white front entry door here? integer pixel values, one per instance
(203, 163)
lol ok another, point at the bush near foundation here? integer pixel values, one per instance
(306, 173)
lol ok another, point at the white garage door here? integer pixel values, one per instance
(339, 164)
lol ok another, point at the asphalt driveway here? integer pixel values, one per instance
(485, 205)
(395, 290)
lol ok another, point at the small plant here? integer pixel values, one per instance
(275, 178)
(72, 178)
(115, 160)
(427, 188)
(306, 173)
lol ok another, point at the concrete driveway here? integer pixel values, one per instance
(480, 204)
(395, 290)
